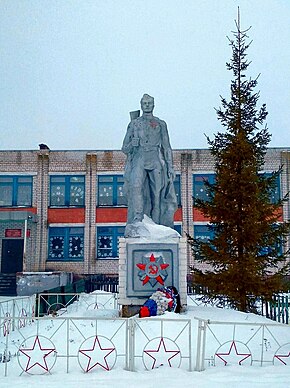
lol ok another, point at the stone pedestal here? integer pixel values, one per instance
(146, 265)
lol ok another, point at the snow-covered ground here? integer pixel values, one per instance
(219, 336)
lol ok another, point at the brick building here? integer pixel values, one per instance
(65, 210)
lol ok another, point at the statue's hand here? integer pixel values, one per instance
(135, 141)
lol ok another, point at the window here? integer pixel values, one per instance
(178, 228)
(67, 191)
(108, 241)
(275, 191)
(110, 190)
(177, 189)
(16, 191)
(66, 244)
(199, 189)
(203, 232)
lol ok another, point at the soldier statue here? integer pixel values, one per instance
(149, 173)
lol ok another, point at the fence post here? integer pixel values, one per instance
(6, 354)
(131, 345)
(203, 345)
(38, 305)
(13, 314)
(287, 310)
(190, 350)
(263, 344)
(200, 350)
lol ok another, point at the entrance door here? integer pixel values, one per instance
(12, 256)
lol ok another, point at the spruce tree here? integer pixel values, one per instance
(244, 256)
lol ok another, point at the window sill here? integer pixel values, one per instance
(114, 206)
(65, 260)
(67, 207)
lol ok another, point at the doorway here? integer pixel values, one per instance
(12, 255)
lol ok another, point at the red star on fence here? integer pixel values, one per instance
(279, 356)
(97, 353)
(233, 347)
(37, 355)
(161, 354)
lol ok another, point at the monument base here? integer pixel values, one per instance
(146, 264)
(129, 311)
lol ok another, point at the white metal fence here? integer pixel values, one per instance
(58, 303)
(15, 312)
(64, 342)
(241, 343)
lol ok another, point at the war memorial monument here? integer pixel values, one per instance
(152, 254)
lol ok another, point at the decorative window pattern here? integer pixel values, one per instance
(66, 244)
(110, 190)
(16, 191)
(67, 191)
(108, 241)
(199, 189)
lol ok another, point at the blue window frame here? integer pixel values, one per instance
(177, 189)
(108, 241)
(16, 191)
(110, 190)
(275, 194)
(67, 190)
(203, 232)
(199, 189)
(66, 244)
(178, 228)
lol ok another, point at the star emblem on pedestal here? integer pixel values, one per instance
(161, 355)
(37, 355)
(233, 353)
(97, 354)
(152, 270)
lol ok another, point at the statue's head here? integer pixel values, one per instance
(147, 103)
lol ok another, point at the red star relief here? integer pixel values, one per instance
(279, 356)
(97, 354)
(37, 355)
(229, 353)
(152, 269)
(161, 354)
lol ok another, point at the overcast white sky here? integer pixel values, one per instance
(71, 71)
